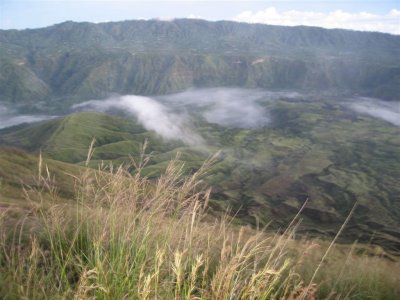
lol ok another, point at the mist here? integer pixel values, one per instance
(3, 110)
(151, 114)
(229, 107)
(387, 111)
(9, 117)
(170, 115)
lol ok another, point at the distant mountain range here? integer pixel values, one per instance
(72, 62)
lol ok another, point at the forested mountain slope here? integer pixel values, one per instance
(72, 62)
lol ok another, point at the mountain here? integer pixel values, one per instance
(284, 115)
(72, 62)
(276, 150)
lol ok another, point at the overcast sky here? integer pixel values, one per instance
(378, 15)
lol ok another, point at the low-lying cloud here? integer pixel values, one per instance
(17, 120)
(3, 110)
(387, 111)
(151, 114)
(8, 118)
(233, 108)
(170, 115)
(229, 107)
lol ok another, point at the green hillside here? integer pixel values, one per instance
(72, 62)
(122, 235)
(19, 171)
(253, 152)
(67, 139)
(313, 150)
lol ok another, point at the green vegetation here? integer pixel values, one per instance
(81, 228)
(18, 171)
(126, 236)
(53, 67)
(313, 149)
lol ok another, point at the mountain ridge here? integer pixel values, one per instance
(72, 62)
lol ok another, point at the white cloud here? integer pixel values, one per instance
(363, 21)
(387, 111)
(228, 107)
(193, 16)
(151, 114)
(9, 121)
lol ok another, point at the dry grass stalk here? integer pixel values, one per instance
(127, 236)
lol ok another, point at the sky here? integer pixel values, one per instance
(366, 15)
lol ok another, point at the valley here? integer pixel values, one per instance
(283, 149)
(193, 159)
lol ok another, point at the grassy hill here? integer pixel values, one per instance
(19, 171)
(264, 174)
(123, 235)
(68, 138)
(297, 177)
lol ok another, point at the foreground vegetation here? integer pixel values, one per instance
(128, 237)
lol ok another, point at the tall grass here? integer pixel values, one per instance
(128, 237)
